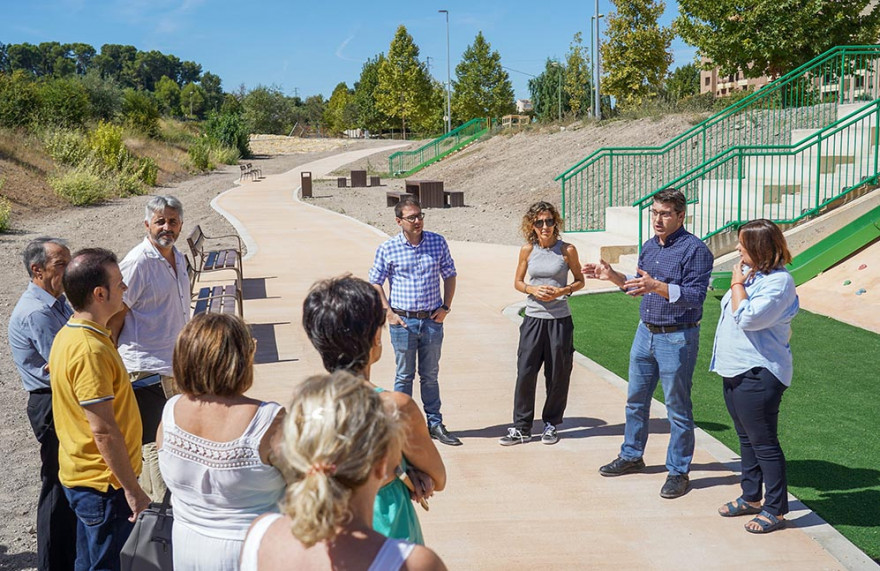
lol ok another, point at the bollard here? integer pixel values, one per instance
(306, 182)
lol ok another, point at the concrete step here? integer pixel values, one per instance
(592, 246)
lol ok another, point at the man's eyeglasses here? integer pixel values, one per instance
(540, 222)
(665, 215)
(412, 218)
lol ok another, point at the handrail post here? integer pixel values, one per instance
(818, 170)
(739, 186)
(876, 139)
(611, 178)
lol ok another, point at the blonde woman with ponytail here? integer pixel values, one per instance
(340, 444)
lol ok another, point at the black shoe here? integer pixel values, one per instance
(439, 432)
(619, 467)
(675, 486)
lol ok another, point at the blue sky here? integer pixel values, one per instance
(306, 48)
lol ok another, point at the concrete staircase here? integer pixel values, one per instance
(774, 186)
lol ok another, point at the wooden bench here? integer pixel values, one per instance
(221, 258)
(392, 197)
(218, 299)
(342, 182)
(453, 198)
(375, 181)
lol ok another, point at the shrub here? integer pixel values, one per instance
(5, 210)
(67, 147)
(63, 102)
(200, 155)
(146, 170)
(141, 112)
(106, 144)
(104, 94)
(128, 184)
(18, 99)
(229, 130)
(80, 187)
(224, 155)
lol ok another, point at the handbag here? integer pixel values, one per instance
(148, 548)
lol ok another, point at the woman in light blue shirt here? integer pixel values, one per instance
(752, 354)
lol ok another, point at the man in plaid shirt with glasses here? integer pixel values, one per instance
(413, 262)
(672, 279)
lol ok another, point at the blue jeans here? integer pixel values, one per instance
(669, 358)
(102, 527)
(420, 341)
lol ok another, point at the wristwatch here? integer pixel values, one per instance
(445, 308)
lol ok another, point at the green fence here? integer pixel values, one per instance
(404, 163)
(806, 98)
(783, 183)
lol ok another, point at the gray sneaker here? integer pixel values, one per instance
(549, 436)
(514, 436)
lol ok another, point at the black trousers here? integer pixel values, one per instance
(548, 343)
(56, 522)
(753, 398)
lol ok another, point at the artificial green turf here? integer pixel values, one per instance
(829, 420)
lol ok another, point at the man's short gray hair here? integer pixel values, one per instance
(159, 203)
(35, 252)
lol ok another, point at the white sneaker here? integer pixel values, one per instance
(514, 436)
(549, 436)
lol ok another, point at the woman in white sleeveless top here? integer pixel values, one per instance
(340, 442)
(214, 445)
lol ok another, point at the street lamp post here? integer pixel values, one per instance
(448, 80)
(594, 21)
(596, 108)
(558, 67)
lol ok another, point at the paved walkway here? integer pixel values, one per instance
(530, 506)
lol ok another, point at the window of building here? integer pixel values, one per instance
(708, 80)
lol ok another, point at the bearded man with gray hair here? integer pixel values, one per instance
(157, 306)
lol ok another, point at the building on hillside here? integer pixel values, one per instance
(711, 81)
(523, 105)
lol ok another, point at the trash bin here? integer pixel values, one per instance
(306, 182)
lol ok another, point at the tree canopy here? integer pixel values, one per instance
(482, 88)
(404, 88)
(577, 78)
(772, 38)
(635, 55)
(370, 117)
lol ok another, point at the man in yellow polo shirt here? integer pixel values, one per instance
(96, 415)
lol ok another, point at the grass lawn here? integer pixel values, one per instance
(829, 418)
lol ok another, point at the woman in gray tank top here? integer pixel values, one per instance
(546, 334)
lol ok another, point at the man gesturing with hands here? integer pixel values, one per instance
(673, 276)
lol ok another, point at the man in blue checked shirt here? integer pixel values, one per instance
(673, 276)
(39, 314)
(413, 262)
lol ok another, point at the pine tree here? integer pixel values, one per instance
(482, 88)
(635, 56)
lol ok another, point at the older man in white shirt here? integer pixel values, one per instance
(157, 306)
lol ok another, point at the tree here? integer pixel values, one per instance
(772, 38)
(546, 91)
(369, 116)
(337, 113)
(83, 54)
(577, 78)
(636, 53)
(168, 95)
(113, 60)
(404, 87)
(192, 100)
(683, 81)
(190, 72)
(265, 110)
(211, 84)
(482, 88)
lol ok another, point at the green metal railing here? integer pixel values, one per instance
(784, 183)
(404, 163)
(806, 98)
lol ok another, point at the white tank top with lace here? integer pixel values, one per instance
(219, 488)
